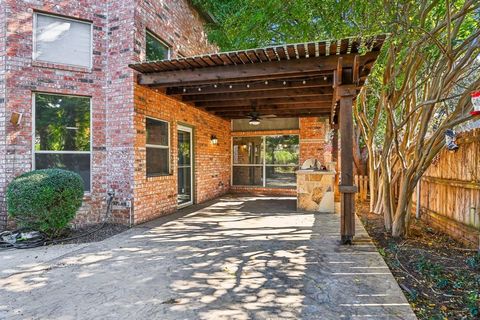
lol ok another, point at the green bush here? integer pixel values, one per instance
(45, 200)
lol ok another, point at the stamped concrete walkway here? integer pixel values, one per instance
(234, 258)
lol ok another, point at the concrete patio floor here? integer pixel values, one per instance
(233, 258)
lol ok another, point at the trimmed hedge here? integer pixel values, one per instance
(45, 200)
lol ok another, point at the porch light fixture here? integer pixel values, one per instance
(254, 122)
(213, 139)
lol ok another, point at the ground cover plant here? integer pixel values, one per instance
(439, 276)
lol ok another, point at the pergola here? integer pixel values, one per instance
(319, 78)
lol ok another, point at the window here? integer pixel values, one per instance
(63, 41)
(157, 147)
(155, 48)
(268, 161)
(62, 134)
(248, 161)
(281, 160)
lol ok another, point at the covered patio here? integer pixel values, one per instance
(231, 258)
(315, 79)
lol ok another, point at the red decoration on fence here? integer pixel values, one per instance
(476, 103)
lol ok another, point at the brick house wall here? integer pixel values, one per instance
(119, 106)
(24, 77)
(156, 196)
(118, 39)
(3, 145)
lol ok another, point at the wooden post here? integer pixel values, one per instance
(347, 187)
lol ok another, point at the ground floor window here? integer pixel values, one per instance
(62, 134)
(157, 147)
(265, 161)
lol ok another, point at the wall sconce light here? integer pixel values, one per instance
(213, 139)
(16, 118)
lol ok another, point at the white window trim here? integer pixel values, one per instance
(153, 35)
(159, 146)
(34, 28)
(264, 164)
(62, 152)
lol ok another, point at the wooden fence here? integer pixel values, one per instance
(450, 190)
(362, 183)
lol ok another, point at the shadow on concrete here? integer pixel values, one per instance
(233, 258)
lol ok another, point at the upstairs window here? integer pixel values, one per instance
(155, 48)
(62, 41)
(157, 147)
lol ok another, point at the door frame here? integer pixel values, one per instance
(189, 129)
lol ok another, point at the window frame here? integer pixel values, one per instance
(264, 163)
(34, 110)
(163, 42)
(34, 36)
(158, 146)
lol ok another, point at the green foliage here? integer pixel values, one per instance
(473, 261)
(243, 24)
(282, 149)
(45, 200)
(473, 303)
(62, 122)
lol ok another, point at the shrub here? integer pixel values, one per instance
(45, 200)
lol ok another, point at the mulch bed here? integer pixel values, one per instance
(439, 276)
(92, 233)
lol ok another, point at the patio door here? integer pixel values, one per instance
(185, 167)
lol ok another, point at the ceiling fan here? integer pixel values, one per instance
(255, 117)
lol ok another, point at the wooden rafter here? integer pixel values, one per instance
(267, 101)
(260, 95)
(323, 106)
(261, 85)
(245, 72)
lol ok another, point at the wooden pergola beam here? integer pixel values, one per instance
(268, 101)
(279, 115)
(271, 108)
(346, 94)
(251, 86)
(247, 72)
(304, 92)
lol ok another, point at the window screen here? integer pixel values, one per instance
(63, 41)
(157, 147)
(62, 134)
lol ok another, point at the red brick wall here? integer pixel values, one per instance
(118, 39)
(173, 21)
(25, 77)
(3, 119)
(312, 140)
(155, 196)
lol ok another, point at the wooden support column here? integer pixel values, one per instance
(347, 188)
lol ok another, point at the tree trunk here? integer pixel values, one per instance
(403, 205)
(378, 209)
(387, 198)
(372, 178)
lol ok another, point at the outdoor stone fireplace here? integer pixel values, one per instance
(315, 187)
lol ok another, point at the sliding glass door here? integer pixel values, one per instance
(265, 161)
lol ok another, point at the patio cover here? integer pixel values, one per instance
(320, 78)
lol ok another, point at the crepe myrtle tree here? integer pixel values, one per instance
(421, 88)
